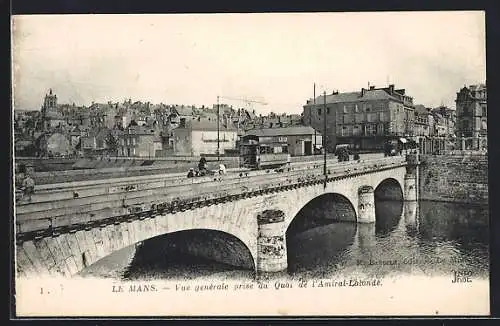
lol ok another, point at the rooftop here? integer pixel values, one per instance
(364, 95)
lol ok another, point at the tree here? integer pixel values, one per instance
(111, 144)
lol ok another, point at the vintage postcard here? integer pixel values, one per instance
(272, 164)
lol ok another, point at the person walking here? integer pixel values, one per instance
(190, 173)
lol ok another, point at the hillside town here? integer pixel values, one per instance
(364, 119)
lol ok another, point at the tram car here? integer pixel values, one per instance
(256, 155)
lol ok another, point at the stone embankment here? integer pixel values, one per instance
(454, 178)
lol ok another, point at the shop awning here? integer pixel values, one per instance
(403, 140)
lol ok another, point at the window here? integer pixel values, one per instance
(345, 108)
(357, 130)
(327, 110)
(319, 111)
(483, 109)
(344, 131)
(356, 108)
(284, 149)
(380, 129)
(371, 129)
(373, 117)
(484, 125)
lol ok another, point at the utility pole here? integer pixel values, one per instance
(324, 136)
(218, 139)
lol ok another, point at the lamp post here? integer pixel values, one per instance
(324, 137)
(218, 140)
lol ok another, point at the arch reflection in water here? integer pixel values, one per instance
(318, 237)
(388, 206)
(319, 250)
(387, 214)
(191, 254)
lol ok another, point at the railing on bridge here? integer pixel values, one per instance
(55, 206)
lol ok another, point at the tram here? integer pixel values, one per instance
(262, 155)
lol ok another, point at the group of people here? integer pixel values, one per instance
(202, 169)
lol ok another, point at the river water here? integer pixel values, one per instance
(428, 238)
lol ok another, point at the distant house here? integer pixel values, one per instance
(199, 136)
(95, 142)
(301, 140)
(139, 141)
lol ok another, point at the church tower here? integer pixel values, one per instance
(49, 104)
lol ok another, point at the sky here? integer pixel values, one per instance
(273, 59)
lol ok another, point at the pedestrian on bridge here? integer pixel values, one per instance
(202, 164)
(222, 169)
(28, 186)
(190, 173)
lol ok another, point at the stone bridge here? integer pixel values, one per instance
(66, 229)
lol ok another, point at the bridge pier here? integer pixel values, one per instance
(410, 181)
(410, 215)
(366, 205)
(410, 185)
(271, 243)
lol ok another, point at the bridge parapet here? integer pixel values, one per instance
(47, 218)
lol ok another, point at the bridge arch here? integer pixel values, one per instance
(194, 247)
(389, 201)
(329, 213)
(323, 209)
(389, 189)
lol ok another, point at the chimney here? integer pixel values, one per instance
(372, 88)
(363, 91)
(391, 88)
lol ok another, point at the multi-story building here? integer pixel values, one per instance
(199, 136)
(365, 119)
(139, 141)
(450, 118)
(472, 112)
(423, 118)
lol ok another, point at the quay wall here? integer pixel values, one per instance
(454, 178)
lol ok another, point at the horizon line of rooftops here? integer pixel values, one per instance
(389, 92)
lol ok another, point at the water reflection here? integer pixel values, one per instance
(410, 237)
(430, 238)
(320, 249)
(410, 218)
(388, 214)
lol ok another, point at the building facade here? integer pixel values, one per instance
(364, 119)
(198, 136)
(138, 141)
(472, 111)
